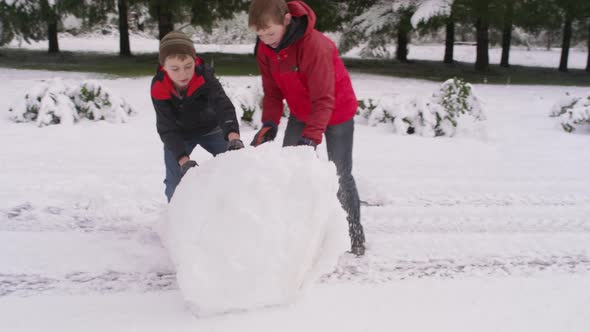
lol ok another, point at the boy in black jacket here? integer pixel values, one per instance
(191, 108)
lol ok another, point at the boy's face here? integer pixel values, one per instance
(273, 33)
(180, 70)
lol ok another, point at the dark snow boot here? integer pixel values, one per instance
(358, 249)
(357, 239)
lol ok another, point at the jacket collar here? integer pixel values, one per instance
(163, 88)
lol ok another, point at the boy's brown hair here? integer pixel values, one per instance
(262, 13)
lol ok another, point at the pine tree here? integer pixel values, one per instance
(481, 8)
(450, 39)
(6, 28)
(204, 13)
(380, 23)
(507, 31)
(39, 19)
(404, 27)
(436, 13)
(124, 47)
(570, 10)
(483, 14)
(568, 18)
(330, 14)
(537, 16)
(588, 61)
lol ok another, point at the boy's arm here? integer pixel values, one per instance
(272, 102)
(168, 129)
(317, 65)
(223, 107)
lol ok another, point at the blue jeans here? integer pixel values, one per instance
(339, 139)
(214, 142)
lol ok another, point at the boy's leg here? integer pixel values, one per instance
(293, 131)
(339, 141)
(173, 173)
(213, 142)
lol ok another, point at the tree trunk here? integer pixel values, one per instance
(124, 47)
(52, 36)
(401, 53)
(403, 38)
(482, 60)
(507, 33)
(565, 45)
(450, 40)
(588, 61)
(165, 24)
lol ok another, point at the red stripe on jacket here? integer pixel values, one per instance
(164, 89)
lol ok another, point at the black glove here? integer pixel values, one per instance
(186, 166)
(266, 134)
(235, 144)
(306, 141)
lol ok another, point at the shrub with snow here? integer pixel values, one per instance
(55, 102)
(247, 99)
(573, 112)
(457, 97)
(437, 115)
(248, 103)
(237, 252)
(95, 102)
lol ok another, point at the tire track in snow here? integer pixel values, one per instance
(374, 269)
(440, 216)
(79, 283)
(78, 217)
(367, 270)
(469, 223)
(479, 200)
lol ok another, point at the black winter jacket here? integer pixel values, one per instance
(204, 108)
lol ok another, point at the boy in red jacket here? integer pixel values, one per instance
(301, 65)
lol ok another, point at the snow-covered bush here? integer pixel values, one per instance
(456, 97)
(247, 99)
(437, 115)
(365, 108)
(572, 112)
(385, 111)
(46, 103)
(55, 102)
(96, 102)
(248, 103)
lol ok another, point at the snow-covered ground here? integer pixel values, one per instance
(464, 53)
(487, 231)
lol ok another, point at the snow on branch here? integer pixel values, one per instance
(428, 9)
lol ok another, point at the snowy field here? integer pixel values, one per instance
(486, 231)
(463, 53)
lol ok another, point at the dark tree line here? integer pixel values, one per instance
(375, 22)
(483, 16)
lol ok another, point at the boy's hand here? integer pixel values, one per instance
(187, 165)
(232, 136)
(235, 144)
(183, 160)
(266, 134)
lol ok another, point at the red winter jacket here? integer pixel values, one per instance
(310, 75)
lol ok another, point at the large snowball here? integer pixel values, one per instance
(250, 228)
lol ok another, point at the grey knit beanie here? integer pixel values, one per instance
(174, 43)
